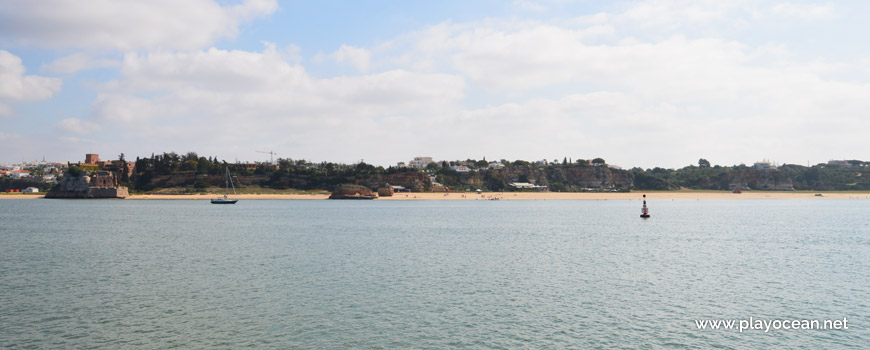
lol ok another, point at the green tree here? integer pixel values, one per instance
(203, 165)
(598, 161)
(494, 182)
(703, 163)
(74, 171)
(125, 169)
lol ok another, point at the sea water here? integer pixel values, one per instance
(431, 274)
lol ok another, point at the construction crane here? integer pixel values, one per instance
(271, 154)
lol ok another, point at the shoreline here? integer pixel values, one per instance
(652, 195)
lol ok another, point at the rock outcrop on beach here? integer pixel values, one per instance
(385, 191)
(88, 187)
(352, 192)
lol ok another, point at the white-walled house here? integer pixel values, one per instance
(17, 174)
(420, 162)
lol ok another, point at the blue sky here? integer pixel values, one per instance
(639, 83)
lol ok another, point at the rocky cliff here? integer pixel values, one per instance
(593, 177)
(414, 181)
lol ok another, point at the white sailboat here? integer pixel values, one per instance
(225, 199)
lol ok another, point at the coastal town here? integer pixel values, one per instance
(170, 173)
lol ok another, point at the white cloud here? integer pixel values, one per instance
(539, 56)
(17, 87)
(673, 13)
(77, 62)
(356, 57)
(9, 137)
(195, 96)
(77, 126)
(293, 53)
(529, 5)
(127, 108)
(263, 75)
(126, 24)
(805, 11)
(71, 139)
(539, 6)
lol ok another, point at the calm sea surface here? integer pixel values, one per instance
(430, 274)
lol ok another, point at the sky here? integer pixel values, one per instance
(638, 83)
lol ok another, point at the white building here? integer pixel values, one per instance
(764, 165)
(30, 190)
(528, 186)
(839, 164)
(420, 162)
(17, 174)
(460, 168)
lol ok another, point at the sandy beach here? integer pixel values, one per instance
(236, 196)
(619, 196)
(652, 195)
(20, 196)
(543, 196)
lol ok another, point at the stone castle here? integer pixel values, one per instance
(92, 160)
(98, 184)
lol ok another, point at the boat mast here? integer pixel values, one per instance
(230, 179)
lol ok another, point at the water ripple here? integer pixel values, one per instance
(379, 275)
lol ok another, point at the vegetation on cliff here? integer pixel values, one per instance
(8, 183)
(820, 177)
(195, 172)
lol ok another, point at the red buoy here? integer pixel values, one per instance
(644, 212)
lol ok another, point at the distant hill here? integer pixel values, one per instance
(170, 170)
